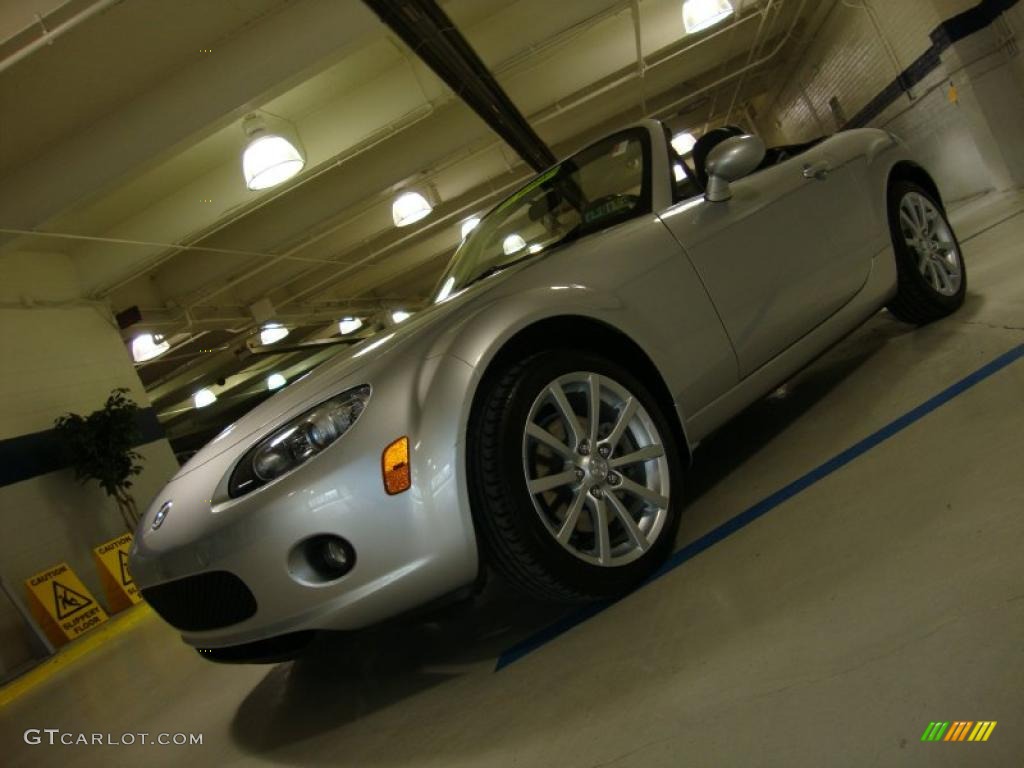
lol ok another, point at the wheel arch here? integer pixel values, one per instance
(593, 335)
(906, 170)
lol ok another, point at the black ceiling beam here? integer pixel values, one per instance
(432, 36)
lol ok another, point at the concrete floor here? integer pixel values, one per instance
(829, 632)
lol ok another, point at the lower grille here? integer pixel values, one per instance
(204, 601)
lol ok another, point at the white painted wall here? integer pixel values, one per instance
(58, 356)
(966, 143)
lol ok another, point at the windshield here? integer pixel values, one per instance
(601, 186)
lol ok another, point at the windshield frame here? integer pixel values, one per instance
(645, 205)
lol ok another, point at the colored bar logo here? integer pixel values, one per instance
(959, 730)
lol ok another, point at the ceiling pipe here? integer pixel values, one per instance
(432, 36)
(650, 62)
(49, 35)
(377, 137)
(381, 135)
(548, 114)
(755, 50)
(348, 268)
(673, 106)
(634, 9)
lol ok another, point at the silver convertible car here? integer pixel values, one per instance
(538, 418)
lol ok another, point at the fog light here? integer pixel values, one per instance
(323, 558)
(333, 554)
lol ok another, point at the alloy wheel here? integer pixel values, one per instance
(596, 469)
(932, 243)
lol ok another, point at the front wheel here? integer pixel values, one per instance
(930, 268)
(575, 476)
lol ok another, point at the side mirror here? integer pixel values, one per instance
(730, 161)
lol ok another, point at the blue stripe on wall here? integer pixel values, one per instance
(27, 456)
(945, 35)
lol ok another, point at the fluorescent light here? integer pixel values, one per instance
(469, 225)
(446, 290)
(272, 333)
(270, 160)
(203, 398)
(400, 315)
(276, 381)
(513, 244)
(349, 325)
(678, 172)
(700, 14)
(683, 143)
(146, 346)
(409, 208)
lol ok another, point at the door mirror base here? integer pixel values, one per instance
(730, 161)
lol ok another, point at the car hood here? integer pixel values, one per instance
(333, 376)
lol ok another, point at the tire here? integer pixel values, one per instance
(519, 530)
(931, 276)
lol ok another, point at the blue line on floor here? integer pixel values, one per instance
(745, 518)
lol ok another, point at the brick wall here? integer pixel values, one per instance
(854, 55)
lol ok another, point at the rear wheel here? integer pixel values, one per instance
(929, 264)
(575, 476)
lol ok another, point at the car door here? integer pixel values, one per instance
(771, 258)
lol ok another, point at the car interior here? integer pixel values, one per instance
(694, 164)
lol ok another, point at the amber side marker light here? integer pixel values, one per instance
(395, 467)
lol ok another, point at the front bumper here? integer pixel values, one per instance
(409, 548)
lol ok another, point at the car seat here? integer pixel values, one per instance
(703, 148)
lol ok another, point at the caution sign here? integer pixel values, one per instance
(62, 605)
(112, 563)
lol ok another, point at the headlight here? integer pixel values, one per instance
(298, 441)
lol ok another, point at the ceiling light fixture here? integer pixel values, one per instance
(276, 381)
(513, 244)
(269, 158)
(147, 346)
(272, 333)
(409, 207)
(469, 225)
(203, 398)
(400, 315)
(698, 15)
(349, 325)
(683, 143)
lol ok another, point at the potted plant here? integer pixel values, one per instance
(99, 447)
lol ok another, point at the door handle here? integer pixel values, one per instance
(818, 171)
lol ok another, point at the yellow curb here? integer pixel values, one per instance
(74, 651)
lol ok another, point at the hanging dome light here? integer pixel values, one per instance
(469, 225)
(272, 333)
(276, 381)
(513, 244)
(269, 158)
(698, 15)
(349, 325)
(683, 143)
(203, 398)
(400, 315)
(147, 346)
(410, 207)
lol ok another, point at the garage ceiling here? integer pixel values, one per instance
(121, 146)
